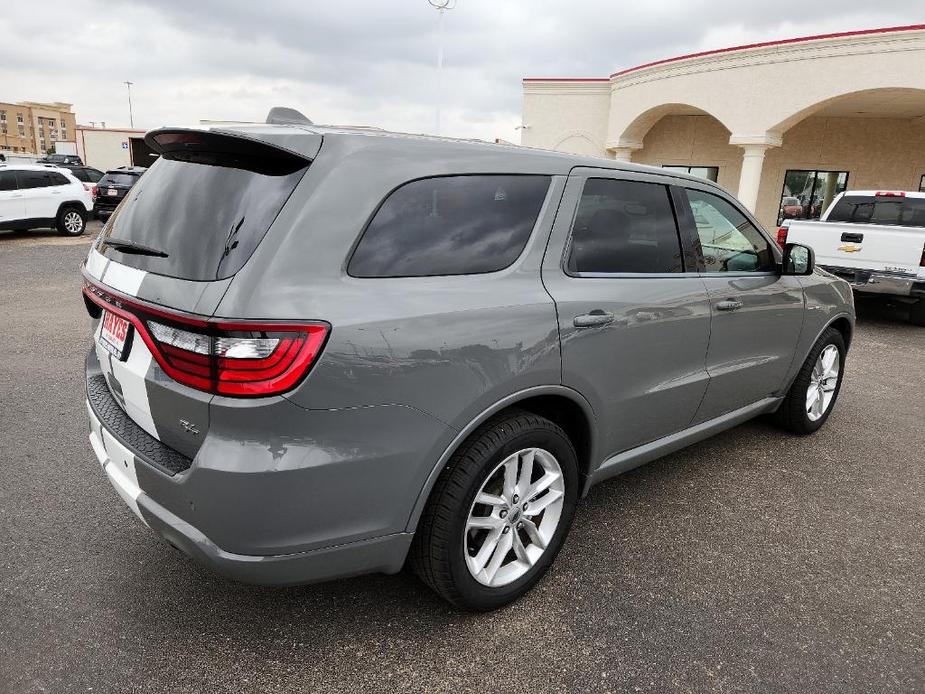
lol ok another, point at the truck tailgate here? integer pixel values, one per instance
(879, 247)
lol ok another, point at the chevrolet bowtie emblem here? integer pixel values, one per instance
(849, 248)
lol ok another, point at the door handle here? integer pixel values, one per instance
(56, 192)
(729, 305)
(592, 319)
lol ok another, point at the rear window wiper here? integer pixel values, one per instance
(127, 246)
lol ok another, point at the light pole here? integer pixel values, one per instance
(131, 120)
(441, 6)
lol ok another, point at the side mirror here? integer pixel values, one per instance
(798, 260)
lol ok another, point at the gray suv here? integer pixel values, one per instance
(321, 352)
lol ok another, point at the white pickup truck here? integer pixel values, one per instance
(873, 239)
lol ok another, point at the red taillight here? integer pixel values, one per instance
(94, 190)
(781, 236)
(238, 358)
(890, 194)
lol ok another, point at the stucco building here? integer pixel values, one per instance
(30, 127)
(784, 125)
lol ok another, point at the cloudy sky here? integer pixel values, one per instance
(369, 62)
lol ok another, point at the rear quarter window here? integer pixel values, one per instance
(450, 225)
(870, 209)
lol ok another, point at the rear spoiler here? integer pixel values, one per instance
(232, 149)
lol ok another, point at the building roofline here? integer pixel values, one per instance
(110, 130)
(731, 49)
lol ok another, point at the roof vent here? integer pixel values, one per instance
(281, 115)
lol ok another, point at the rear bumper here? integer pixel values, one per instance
(880, 282)
(384, 554)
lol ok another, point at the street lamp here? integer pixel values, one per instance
(441, 6)
(131, 120)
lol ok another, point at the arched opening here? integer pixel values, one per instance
(578, 142)
(870, 139)
(687, 139)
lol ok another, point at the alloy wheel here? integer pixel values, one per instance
(822, 382)
(514, 517)
(73, 222)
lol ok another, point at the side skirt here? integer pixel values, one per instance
(633, 458)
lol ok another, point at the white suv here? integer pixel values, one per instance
(33, 196)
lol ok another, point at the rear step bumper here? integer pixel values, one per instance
(384, 554)
(879, 282)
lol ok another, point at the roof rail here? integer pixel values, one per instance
(282, 115)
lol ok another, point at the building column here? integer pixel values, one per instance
(752, 165)
(622, 150)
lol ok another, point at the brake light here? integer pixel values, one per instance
(236, 358)
(94, 190)
(890, 194)
(781, 236)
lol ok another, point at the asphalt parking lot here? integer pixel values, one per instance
(756, 561)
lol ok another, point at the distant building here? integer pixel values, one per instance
(30, 127)
(110, 148)
(786, 125)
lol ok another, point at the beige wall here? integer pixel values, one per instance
(692, 141)
(862, 110)
(102, 148)
(571, 118)
(876, 153)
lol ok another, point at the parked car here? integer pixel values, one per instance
(60, 159)
(321, 352)
(86, 175)
(873, 239)
(36, 197)
(113, 187)
(791, 207)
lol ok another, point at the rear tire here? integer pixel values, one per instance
(811, 398)
(917, 313)
(456, 533)
(72, 221)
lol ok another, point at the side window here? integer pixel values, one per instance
(93, 175)
(80, 175)
(624, 226)
(33, 179)
(730, 242)
(7, 180)
(451, 225)
(57, 179)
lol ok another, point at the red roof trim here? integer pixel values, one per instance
(566, 79)
(765, 44)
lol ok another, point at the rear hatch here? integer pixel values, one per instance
(113, 187)
(159, 268)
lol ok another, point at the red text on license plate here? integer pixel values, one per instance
(114, 333)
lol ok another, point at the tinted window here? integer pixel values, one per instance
(80, 175)
(119, 179)
(57, 179)
(208, 212)
(730, 242)
(869, 209)
(453, 225)
(92, 175)
(624, 226)
(7, 180)
(34, 179)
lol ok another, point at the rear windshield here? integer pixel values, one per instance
(119, 179)
(200, 211)
(870, 209)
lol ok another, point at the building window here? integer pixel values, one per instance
(708, 172)
(2, 116)
(63, 133)
(922, 184)
(3, 127)
(807, 194)
(22, 131)
(19, 118)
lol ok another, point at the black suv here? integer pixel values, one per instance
(112, 188)
(61, 159)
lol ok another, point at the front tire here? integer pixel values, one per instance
(812, 396)
(499, 512)
(72, 221)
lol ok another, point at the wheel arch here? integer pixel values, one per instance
(842, 322)
(560, 404)
(67, 204)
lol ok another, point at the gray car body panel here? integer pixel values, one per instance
(330, 478)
